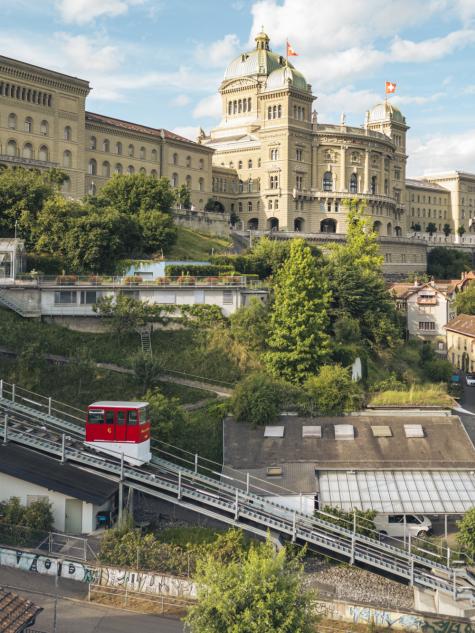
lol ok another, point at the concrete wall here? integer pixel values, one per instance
(203, 221)
(13, 487)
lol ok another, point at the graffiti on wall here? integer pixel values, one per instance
(148, 582)
(39, 564)
(389, 619)
(445, 626)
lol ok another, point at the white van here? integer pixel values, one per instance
(393, 525)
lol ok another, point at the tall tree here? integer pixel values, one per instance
(136, 192)
(256, 591)
(298, 342)
(465, 301)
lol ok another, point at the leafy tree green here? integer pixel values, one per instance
(347, 329)
(133, 193)
(298, 342)
(364, 519)
(169, 421)
(23, 192)
(431, 228)
(461, 230)
(147, 371)
(465, 301)
(37, 515)
(80, 368)
(332, 391)
(54, 220)
(257, 399)
(250, 324)
(183, 197)
(466, 534)
(31, 364)
(438, 370)
(354, 272)
(201, 316)
(126, 314)
(259, 592)
(447, 229)
(158, 230)
(447, 263)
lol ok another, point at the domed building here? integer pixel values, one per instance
(278, 168)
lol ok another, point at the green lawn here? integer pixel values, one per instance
(193, 245)
(417, 395)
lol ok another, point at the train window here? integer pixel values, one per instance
(132, 417)
(96, 416)
(109, 417)
(143, 415)
(121, 417)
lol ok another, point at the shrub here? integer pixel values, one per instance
(199, 270)
(332, 391)
(438, 370)
(257, 399)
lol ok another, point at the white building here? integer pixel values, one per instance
(12, 258)
(76, 495)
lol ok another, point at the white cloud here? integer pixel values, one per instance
(418, 100)
(180, 101)
(84, 11)
(208, 107)
(441, 153)
(430, 49)
(188, 131)
(346, 100)
(218, 53)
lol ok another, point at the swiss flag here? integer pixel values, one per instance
(290, 50)
(390, 87)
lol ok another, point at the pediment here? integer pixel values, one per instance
(240, 82)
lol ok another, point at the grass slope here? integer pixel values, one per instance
(193, 245)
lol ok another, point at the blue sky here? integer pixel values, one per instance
(160, 62)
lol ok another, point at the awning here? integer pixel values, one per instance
(399, 492)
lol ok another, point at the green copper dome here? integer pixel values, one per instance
(384, 111)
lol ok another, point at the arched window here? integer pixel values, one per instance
(175, 159)
(27, 150)
(118, 169)
(299, 224)
(249, 206)
(389, 229)
(328, 226)
(234, 107)
(44, 128)
(188, 182)
(131, 150)
(201, 163)
(201, 184)
(43, 154)
(154, 155)
(118, 148)
(92, 167)
(143, 153)
(239, 105)
(106, 146)
(175, 180)
(153, 173)
(28, 124)
(68, 133)
(240, 164)
(354, 183)
(374, 184)
(188, 161)
(253, 224)
(327, 181)
(244, 105)
(279, 111)
(274, 112)
(249, 104)
(269, 112)
(230, 107)
(12, 121)
(67, 158)
(143, 171)
(93, 143)
(269, 205)
(273, 224)
(249, 164)
(377, 226)
(11, 148)
(240, 207)
(131, 169)
(106, 169)
(66, 186)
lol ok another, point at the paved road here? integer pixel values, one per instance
(79, 617)
(468, 402)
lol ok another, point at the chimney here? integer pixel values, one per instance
(462, 275)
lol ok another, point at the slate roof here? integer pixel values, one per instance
(462, 324)
(16, 614)
(41, 470)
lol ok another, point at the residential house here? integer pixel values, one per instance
(461, 342)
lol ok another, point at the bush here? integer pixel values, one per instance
(438, 370)
(257, 400)
(37, 515)
(391, 383)
(332, 391)
(364, 519)
(199, 270)
(45, 263)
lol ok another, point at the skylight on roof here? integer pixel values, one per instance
(381, 431)
(413, 430)
(274, 471)
(311, 431)
(274, 431)
(344, 432)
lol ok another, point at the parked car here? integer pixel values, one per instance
(470, 379)
(393, 525)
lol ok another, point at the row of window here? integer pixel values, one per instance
(90, 297)
(435, 199)
(27, 151)
(28, 126)
(175, 182)
(118, 169)
(327, 184)
(299, 113)
(25, 94)
(430, 213)
(188, 162)
(118, 149)
(239, 105)
(274, 112)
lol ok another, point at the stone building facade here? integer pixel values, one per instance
(44, 124)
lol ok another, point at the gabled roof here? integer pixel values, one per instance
(16, 614)
(405, 290)
(93, 117)
(462, 324)
(417, 183)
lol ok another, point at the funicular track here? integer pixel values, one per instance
(57, 430)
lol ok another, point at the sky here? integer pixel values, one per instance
(160, 62)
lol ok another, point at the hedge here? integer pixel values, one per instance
(198, 270)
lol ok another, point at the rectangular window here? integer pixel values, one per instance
(95, 416)
(426, 325)
(65, 297)
(109, 417)
(227, 297)
(88, 297)
(121, 418)
(132, 418)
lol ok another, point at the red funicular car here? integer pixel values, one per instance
(118, 428)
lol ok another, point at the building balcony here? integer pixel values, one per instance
(26, 162)
(372, 198)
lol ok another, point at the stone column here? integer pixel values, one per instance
(366, 172)
(344, 184)
(314, 167)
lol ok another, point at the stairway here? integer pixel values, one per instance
(23, 311)
(146, 341)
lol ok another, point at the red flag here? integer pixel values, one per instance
(290, 50)
(390, 88)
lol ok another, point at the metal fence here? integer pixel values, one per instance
(144, 602)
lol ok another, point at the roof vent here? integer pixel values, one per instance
(312, 431)
(381, 431)
(274, 471)
(413, 430)
(344, 432)
(274, 431)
